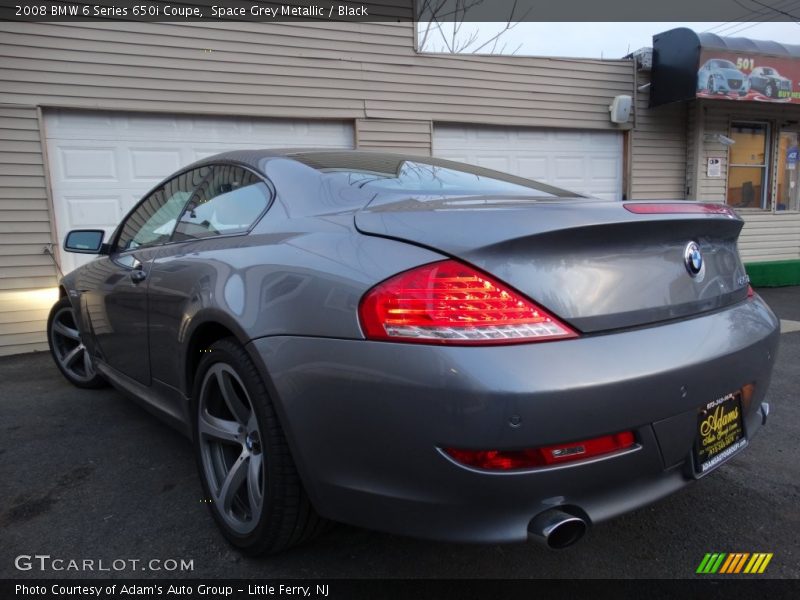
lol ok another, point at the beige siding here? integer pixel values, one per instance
(24, 215)
(712, 188)
(24, 231)
(345, 70)
(23, 315)
(766, 235)
(693, 134)
(770, 236)
(411, 137)
(658, 148)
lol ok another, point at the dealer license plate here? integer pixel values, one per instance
(720, 433)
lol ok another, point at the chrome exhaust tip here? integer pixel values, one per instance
(556, 529)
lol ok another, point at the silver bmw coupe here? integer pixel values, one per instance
(420, 346)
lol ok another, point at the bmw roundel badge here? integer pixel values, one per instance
(693, 259)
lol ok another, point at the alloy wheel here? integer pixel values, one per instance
(68, 348)
(231, 448)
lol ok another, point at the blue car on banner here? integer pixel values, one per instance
(721, 76)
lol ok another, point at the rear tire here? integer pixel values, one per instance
(67, 349)
(249, 477)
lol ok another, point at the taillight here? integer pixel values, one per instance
(506, 460)
(451, 303)
(750, 291)
(684, 207)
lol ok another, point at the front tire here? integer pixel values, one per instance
(769, 91)
(67, 349)
(251, 483)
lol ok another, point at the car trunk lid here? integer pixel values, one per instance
(595, 264)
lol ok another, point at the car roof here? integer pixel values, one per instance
(318, 158)
(327, 159)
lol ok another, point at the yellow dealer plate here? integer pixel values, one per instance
(720, 433)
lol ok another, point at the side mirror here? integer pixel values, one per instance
(85, 241)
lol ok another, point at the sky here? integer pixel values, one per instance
(614, 40)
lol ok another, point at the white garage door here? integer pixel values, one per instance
(580, 161)
(102, 163)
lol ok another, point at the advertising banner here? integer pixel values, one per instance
(748, 77)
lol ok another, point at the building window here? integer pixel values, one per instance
(788, 192)
(748, 168)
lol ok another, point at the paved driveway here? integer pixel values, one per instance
(89, 475)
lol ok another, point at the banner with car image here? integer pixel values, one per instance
(749, 77)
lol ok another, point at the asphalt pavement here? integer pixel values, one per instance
(88, 475)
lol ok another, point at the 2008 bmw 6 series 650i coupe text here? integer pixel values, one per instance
(420, 346)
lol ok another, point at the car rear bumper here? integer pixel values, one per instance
(366, 420)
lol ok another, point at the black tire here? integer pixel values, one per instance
(286, 517)
(711, 86)
(67, 350)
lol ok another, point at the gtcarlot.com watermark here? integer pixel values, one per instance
(48, 563)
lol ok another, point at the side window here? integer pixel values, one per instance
(229, 201)
(154, 219)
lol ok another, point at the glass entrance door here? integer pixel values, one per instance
(788, 193)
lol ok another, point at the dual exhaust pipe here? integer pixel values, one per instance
(557, 529)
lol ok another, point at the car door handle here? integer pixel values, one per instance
(138, 275)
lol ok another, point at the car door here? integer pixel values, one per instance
(116, 304)
(195, 272)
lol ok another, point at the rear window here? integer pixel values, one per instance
(229, 201)
(437, 179)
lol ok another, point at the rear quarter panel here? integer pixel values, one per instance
(302, 278)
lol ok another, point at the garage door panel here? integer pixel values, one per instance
(603, 169)
(569, 168)
(92, 211)
(102, 163)
(83, 164)
(607, 140)
(152, 164)
(156, 124)
(533, 167)
(587, 162)
(491, 134)
(447, 136)
(570, 137)
(531, 135)
(65, 123)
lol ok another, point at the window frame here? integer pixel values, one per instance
(114, 250)
(767, 201)
(261, 178)
(114, 243)
(789, 128)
